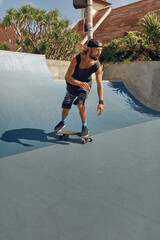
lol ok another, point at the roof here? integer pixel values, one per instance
(120, 20)
(103, 2)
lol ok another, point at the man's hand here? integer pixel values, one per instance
(85, 86)
(100, 109)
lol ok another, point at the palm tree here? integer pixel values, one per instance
(40, 32)
(151, 28)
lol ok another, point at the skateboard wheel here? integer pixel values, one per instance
(59, 137)
(90, 139)
(83, 141)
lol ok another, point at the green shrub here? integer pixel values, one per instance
(135, 46)
(4, 46)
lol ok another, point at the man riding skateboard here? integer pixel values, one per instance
(79, 82)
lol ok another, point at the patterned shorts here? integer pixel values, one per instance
(78, 97)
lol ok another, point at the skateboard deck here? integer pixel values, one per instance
(66, 134)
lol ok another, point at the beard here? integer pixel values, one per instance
(92, 57)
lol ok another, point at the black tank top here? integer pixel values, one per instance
(83, 75)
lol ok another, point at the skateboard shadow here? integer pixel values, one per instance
(17, 135)
(70, 139)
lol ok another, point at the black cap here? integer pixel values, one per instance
(94, 43)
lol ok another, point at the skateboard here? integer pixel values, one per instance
(66, 134)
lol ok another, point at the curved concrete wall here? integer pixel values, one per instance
(142, 79)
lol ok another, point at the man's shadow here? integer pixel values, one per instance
(17, 135)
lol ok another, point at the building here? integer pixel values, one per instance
(111, 23)
(8, 37)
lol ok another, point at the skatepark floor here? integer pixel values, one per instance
(63, 190)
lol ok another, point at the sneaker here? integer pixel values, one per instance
(59, 126)
(85, 132)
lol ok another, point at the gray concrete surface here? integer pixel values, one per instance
(63, 190)
(58, 68)
(109, 189)
(142, 79)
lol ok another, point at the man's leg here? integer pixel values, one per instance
(65, 112)
(82, 112)
(83, 115)
(61, 124)
(66, 105)
(80, 102)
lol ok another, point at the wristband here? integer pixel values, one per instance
(101, 102)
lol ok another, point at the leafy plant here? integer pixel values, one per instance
(136, 46)
(4, 46)
(42, 32)
(125, 49)
(151, 30)
(109, 53)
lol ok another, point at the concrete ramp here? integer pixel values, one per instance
(142, 79)
(51, 189)
(28, 100)
(31, 105)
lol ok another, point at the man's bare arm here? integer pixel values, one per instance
(71, 80)
(99, 90)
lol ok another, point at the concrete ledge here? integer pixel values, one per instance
(142, 79)
(58, 68)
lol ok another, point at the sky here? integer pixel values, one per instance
(65, 7)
